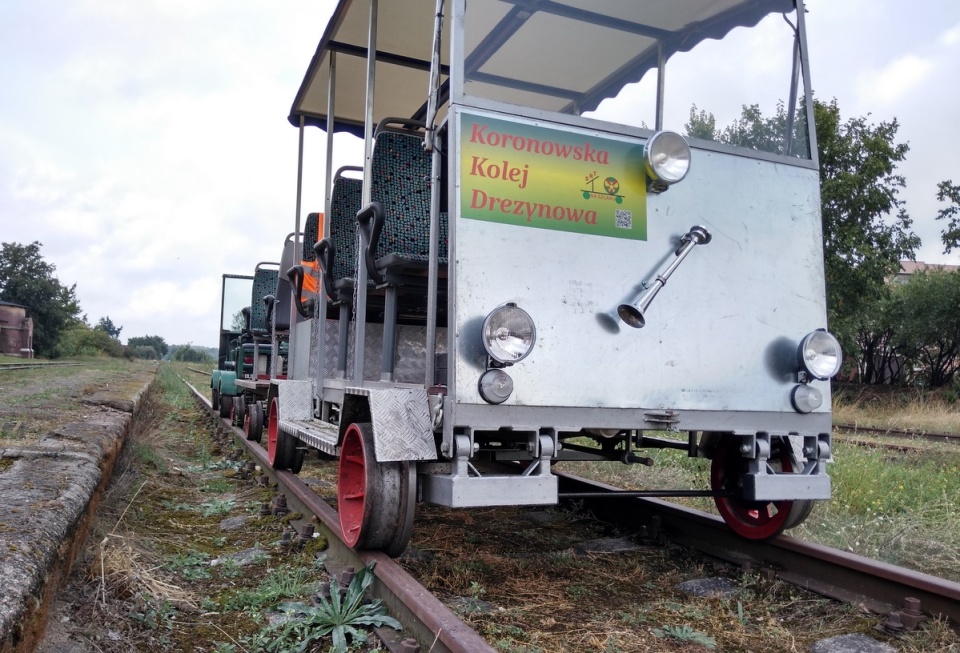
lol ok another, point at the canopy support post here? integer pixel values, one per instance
(360, 311)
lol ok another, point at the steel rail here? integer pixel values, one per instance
(434, 625)
(907, 433)
(848, 577)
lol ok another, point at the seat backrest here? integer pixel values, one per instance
(264, 283)
(345, 202)
(311, 234)
(400, 170)
(284, 291)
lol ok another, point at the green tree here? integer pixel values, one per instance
(876, 331)
(107, 326)
(948, 192)
(866, 230)
(702, 125)
(753, 130)
(927, 307)
(158, 344)
(26, 279)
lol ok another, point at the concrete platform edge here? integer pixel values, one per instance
(48, 497)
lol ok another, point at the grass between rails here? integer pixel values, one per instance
(161, 573)
(520, 577)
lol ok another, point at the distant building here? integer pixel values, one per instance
(907, 268)
(16, 330)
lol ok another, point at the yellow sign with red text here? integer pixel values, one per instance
(534, 176)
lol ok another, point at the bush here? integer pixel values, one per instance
(81, 340)
(146, 353)
(188, 354)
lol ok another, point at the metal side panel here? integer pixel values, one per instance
(410, 365)
(295, 399)
(299, 363)
(402, 429)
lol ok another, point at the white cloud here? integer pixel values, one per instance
(147, 148)
(950, 37)
(164, 298)
(896, 80)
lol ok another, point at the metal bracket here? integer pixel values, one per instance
(435, 406)
(661, 417)
(541, 465)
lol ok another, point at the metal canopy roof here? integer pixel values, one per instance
(501, 34)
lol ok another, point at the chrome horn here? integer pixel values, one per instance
(633, 314)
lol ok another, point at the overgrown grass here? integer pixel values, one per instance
(37, 400)
(897, 408)
(283, 583)
(894, 500)
(902, 512)
(176, 394)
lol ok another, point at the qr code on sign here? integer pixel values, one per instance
(624, 219)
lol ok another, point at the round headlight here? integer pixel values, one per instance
(820, 354)
(508, 334)
(667, 157)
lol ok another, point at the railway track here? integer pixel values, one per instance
(905, 433)
(882, 588)
(407, 600)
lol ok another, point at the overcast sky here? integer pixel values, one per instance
(145, 144)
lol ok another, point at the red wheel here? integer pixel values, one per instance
(282, 450)
(273, 429)
(753, 520)
(376, 501)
